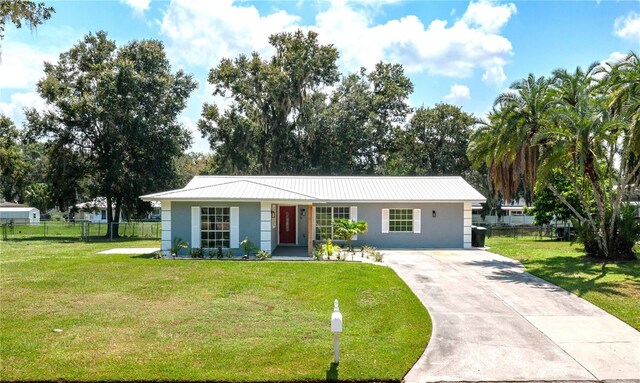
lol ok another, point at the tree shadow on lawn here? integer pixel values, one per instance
(68, 239)
(574, 274)
(143, 256)
(75, 239)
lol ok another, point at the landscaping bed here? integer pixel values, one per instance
(616, 290)
(131, 317)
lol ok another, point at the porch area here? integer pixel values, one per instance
(291, 253)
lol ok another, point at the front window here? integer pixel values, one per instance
(401, 220)
(325, 216)
(215, 227)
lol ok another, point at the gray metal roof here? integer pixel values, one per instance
(324, 189)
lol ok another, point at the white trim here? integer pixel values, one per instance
(265, 226)
(417, 222)
(165, 225)
(195, 227)
(385, 221)
(234, 226)
(313, 223)
(466, 225)
(353, 215)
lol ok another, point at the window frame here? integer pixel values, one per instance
(405, 220)
(334, 215)
(214, 227)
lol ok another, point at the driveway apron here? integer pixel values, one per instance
(494, 322)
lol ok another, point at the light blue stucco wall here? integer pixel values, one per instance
(443, 231)
(249, 216)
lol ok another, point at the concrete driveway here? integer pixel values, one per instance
(494, 322)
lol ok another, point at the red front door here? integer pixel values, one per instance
(287, 224)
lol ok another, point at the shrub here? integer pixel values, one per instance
(177, 244)
(318, 251)
(262, 255)
(248, 247)
(196, 252)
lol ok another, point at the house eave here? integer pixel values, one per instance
(306, 202)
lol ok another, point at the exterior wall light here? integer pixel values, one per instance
(303, 212)
(433, 213)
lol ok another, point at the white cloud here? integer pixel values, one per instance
(16, 104)
(139, 6)
(203, 32)
(455, 50)
(494, 75)
(614, 58)
(628, 27)
(488, 16)
(22, 65)
(459, 94)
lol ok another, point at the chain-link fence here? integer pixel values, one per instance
(79, 230)
(564, 232)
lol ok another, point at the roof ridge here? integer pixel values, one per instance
(190, 189)
(240, 179)
(283, 189)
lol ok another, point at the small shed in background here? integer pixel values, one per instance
(20, 215)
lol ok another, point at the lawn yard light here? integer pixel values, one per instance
(336, 328)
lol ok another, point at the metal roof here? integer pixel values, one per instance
(16, 209)
(324, 189)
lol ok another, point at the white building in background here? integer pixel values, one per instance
(20, 215)
(512, 214)
(95, 211)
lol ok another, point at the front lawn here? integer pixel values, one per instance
(129, 317)
(616, 291)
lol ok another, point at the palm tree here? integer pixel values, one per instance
(583, 124)
(346, 229)
(506, 143)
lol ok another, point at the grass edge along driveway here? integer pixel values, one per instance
(616, 291)
(134, 318)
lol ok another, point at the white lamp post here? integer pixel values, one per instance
(336, 328)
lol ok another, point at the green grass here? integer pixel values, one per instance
(616, 291)
(135, 318)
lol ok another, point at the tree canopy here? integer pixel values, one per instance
(112, 118)
(286, 118)
(19, 11)
(434, 142)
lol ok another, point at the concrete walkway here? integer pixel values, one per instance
(130, 250)
(494, 322)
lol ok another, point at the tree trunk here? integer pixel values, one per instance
(112, 223)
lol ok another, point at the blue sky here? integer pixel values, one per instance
(463, 53)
